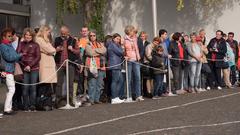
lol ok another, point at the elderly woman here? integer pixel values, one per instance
(30, 65)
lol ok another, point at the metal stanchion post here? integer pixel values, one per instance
(169, 81)
(67, 106)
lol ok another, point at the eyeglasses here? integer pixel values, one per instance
(92, 35)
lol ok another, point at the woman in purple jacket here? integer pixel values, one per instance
(30, 66)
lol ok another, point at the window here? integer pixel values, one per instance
(17, 2)
(14, 21)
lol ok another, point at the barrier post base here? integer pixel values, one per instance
(67, 107)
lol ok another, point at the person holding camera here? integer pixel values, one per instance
(66, 48)
(217, 50)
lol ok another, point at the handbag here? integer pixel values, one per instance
(18, 73)
(93, 67)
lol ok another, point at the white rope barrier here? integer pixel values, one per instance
(49, 78)
(143, 65)
(89, 67)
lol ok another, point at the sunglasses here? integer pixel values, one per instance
(92, 35)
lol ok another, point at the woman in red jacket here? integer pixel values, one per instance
(30, 66)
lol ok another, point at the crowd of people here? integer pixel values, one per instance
(98, 69)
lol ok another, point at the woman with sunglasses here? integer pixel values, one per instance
(95, 52)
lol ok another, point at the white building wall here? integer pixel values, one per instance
(139, 13)
(44, 12)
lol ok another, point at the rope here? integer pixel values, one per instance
(50, 77)
(148, 66)
(105, 67)
(192, 60)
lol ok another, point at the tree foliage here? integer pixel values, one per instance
(91, 10)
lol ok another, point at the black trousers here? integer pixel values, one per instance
(61, 76)
(177, 77)
(215, 76)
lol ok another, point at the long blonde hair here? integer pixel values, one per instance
(41, 32)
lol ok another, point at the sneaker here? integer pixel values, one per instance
(180, 92)
(1, 115)
(32, 108)
(219, 88)
(128, 100)
(140, 98)
(156, 97)
(117, 101)
(208, 88)
(197, 90)
(170, 94)
(203, 90)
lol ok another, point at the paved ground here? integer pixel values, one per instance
(210, 113)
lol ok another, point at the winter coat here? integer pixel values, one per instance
(222, 50)
(131, 49)
(47, 66)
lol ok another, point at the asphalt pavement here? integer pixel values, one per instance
(209, 113)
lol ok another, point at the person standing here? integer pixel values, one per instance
(30, 66)
(133, 57)
(234, 46)
(195, 52)
(217, 50)
(158, 72)
(176, 50)
(9, 57)
(47, 66)
(115, 56)
(147, 61)
(66, 49)
(82, 43)
(94, 51)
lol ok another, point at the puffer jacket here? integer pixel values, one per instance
(10, 56)
(131, 49)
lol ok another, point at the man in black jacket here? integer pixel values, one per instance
(66, 48)
(217, 51)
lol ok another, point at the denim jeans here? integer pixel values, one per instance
(134, 76)
(95, 85)
(30, 92)
(122, 93)
(185, 77)
(117, 80)
(158, 84)
(195, 70)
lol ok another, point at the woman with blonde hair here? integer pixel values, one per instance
(133, 57)
(47, 66)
